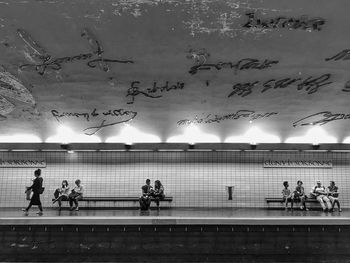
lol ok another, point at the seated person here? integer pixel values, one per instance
(76, 195)
(61, 194)
(145, 198)
(333, 195)
(299, 194)
(287, 195)
(158, 192)
(321, 195)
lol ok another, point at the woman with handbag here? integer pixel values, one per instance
(61, 194)
(37, 188)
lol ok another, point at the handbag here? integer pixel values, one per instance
(41, 190)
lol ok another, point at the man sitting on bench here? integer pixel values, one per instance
(321, 196)
(299, 194)
(145, 198)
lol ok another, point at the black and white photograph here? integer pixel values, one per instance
(175, 131)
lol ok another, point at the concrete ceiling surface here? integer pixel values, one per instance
(163, 66)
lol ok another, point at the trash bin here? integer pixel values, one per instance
(229, 190)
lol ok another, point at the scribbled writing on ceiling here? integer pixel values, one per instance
(321, 118)
(100, 118)
(303, 23)
(45, 61)
(153, 92)
(310, 85)
(218, 118)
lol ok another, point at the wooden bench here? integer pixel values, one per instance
(119, 199)
(280, 200)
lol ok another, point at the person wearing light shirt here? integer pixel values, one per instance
(76, 195)
(321, 196)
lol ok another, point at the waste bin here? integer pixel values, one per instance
(229, 190)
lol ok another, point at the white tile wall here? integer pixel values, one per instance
(194, 179)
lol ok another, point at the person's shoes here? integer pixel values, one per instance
(25, 211)
(77, 209)
(339, 209)
(40, 213)
(301, 208)
(306, 209)
(71, 208)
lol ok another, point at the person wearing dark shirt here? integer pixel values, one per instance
(333, 195)
(299, 194)
(158, 193)
(37, 188)
(287, 195)
(145, 198)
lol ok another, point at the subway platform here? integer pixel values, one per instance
(175, 235)
(175, 216)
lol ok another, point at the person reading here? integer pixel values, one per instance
(76, 195)
(158, 193)
(61, 194)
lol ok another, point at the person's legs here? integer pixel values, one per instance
(332, 199)
(156, 199)
(71, 201)
(302, 200)
(60, 199)
(320, 200)
(328, 202)
(338, 204)
(76, 201)
(28, 207)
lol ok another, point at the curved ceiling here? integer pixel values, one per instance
(175, 70)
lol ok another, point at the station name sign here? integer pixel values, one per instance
(22, 163)
(297, 164)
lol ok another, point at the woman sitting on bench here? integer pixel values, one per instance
(61, 194)
(158, 192)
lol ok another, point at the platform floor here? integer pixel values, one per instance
(175, 216)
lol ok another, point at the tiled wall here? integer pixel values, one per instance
(194, 179)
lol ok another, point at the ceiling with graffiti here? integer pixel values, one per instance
(175, 70)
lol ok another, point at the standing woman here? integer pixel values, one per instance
(37, 188)
(158, 193)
